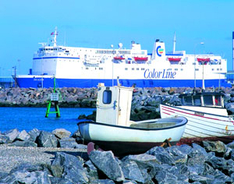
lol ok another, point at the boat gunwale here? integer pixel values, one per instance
(183, 122)
(198, 111)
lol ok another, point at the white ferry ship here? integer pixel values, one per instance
(86, 67)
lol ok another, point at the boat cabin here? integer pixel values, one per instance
(208, 99)
(114, 105)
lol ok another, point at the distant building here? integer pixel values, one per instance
(6, 82)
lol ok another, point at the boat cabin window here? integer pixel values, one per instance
(218, 100)
(187, 100)
(107, 94)
(208, 100)
(197, 100)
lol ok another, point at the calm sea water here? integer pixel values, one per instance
(28, 118)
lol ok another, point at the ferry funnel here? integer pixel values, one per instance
(158, 50)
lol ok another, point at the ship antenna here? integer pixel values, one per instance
(55, 37)
(174, 43)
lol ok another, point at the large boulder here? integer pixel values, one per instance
(61, 133)
(23, 136)
(215, 146)
(69, 143)
(12, 134)
(47, 139)
(106, 162)
(69, 167)
(131, 171)
(4, 139)
(34, 133)
(27, 173)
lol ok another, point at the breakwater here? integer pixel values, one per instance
(23, 162)
(32, 97)
(145, 101)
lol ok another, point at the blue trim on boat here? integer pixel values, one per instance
(39, 82)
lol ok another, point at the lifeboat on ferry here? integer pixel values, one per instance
(203, 60)
(173, 59)
(119, 58)
(141, 58)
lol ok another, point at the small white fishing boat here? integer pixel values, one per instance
(114, 131)
(207, 117)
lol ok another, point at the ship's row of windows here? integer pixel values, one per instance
(106, 52)
(176, 69)
(87, 68)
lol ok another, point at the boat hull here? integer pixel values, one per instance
(201, 125)
(48, 81)
(130, 140)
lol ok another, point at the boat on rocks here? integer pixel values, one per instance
(207, 117)
(113, 130)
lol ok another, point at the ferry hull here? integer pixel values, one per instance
(47, 82)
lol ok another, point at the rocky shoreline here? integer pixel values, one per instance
(60, 158)
(145, 102)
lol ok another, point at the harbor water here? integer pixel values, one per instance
(28, 118)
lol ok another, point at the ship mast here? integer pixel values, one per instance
(174, 43)
(55, 37)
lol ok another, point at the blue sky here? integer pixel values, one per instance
(100, 23)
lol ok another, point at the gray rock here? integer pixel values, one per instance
(162, 155)
(226, 166)
(27, 177)
(69, 167)
(61, 133)
(12, 134)
(146, 164)
(172, 174)
(27, 173)
(177, 154)
(231, 145)
(92, 171)
(23, 135)
(185, 149)
(47, 139)
(3, 174)
(202, 179)
(34, 134)
(76, 134)
(103, 181)
(68, 143)
(4, 139)
(215, 146)
(131, 171)
(220, 177)
(197, 156)
(129, 182)
(25, 143)
(175, 100)
(106, 162)
(55, 180)
(230, 108)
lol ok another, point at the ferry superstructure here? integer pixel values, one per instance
(86, 67)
